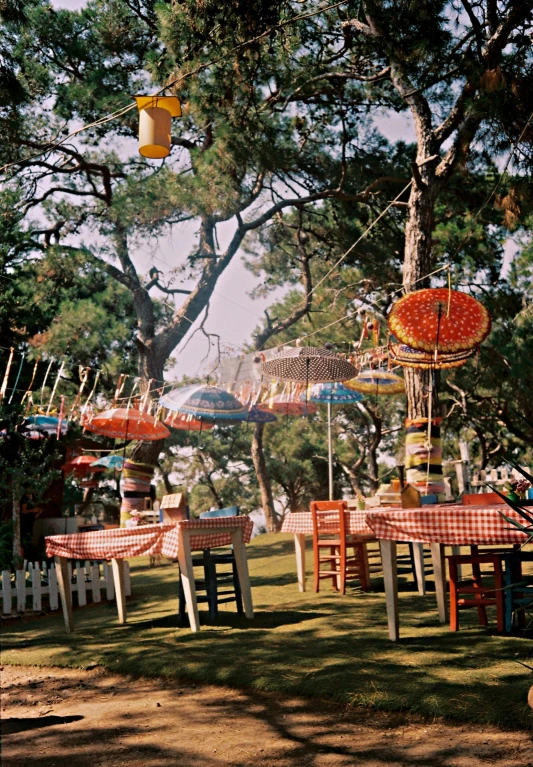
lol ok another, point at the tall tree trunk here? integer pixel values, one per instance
(263, 479)
(417, 264)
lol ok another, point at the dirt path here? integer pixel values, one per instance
(89, 718)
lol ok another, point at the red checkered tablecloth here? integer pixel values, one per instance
(205, 539)
(302, 523)
(124, 543)
(452, 525)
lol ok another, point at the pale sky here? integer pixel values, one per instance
(233, 314)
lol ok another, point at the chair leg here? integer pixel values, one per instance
(454, 606)
(334, 578)
(316, 553)
(237, 587)
(478, 583)
(210, 574)
(342, 585)
(500, 610)
(412, 563)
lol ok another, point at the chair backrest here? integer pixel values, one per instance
(329, 518)
(229, 511)
(481, 499)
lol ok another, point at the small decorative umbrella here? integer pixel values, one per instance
(187, 423)
(376, 382)
(81, 465)
(287, 405)
(127, 423)
(110, 462)
(256, 415)
(439, 320)
(44, 425)
(332, 394)
(414, 358)
(206, 403)
(307, 364)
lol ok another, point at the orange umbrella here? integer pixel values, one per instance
(187, 423)
(285, 405)
(127, 423)
(81, 465)
(439, 319)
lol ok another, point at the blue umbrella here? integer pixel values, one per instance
(260, 416)
(332, 394)
(202, 401)
(110, 462)
(46, 424)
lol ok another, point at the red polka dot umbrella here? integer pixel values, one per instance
(439, 319)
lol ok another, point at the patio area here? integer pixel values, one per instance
(317, 645)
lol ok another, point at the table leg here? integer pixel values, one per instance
(299, 549)
(241, 560)
(117, 566)
(390, 577)
(187, 578)
(418, 556)
(65, 592)
(439, 570)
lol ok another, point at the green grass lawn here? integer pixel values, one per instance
(320, 645)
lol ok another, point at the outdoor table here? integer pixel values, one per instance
(301, 524)
(171, 540)
(440, 525)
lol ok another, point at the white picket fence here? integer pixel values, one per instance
(27, 587)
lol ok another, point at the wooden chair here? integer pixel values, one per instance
(474, 592)
(220, 582)
(330, 547)
(481, 499)
(518, 588)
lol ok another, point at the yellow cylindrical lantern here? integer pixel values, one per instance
(155, 113)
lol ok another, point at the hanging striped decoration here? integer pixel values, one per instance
(423, 456)
(415, 358)
(134, 487)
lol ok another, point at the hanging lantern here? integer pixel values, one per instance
(155, 113)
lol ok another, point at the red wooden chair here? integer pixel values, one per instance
(330, 547)
(475, 593)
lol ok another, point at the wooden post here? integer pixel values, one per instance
(241, 561)
(118, 577)
(6, 592)
(65, 593)
(80, 585)
(95, 583)
(418, 556)
(20, 582)
(52, 588)
(299, 550)
(37, 602)
(390, 578)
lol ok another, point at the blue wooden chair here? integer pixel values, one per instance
(220, 583)
(518, 588)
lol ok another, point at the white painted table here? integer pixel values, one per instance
(174, 541)
(439, 526)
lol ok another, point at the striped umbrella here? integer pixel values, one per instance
(332, 394)
(414, 358)
(376, 382)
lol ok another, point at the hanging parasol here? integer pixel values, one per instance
(332, 394)
(376, 382)
(186, 423)
(36, 426)
(110, 462)
(287, 405)
(81, 466)
(307, 364)
(256, 415)
(414, 358)
(127, 423)
(206, 403)
(439, 319)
